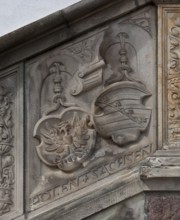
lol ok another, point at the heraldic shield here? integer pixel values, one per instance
(120, 113)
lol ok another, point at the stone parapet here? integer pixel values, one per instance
(89, 113)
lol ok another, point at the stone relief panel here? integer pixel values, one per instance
(174, 79)
(91, 108)
(6, 157)
(10, 144)
(169, 70)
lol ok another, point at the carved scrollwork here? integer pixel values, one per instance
(6, 157)
(88, 78)
(142, 21)
(174, 82)
(83, 50)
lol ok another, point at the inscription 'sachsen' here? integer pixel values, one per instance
(105, 169)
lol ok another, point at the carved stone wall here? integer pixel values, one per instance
(93, 108)
(11, 148)
(173, 79)
(89, 114)
(169, 71)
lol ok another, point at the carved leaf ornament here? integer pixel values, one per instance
(6, 157)
(174, 82)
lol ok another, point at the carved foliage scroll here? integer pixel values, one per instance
(174, 82)
(11, 149)
(6, 157)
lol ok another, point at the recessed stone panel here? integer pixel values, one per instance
(169, 80)
(91, 108)
(11, 143)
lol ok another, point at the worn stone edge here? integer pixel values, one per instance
(18, 200)
(109, 195)
(152, 175)
(57, 19)
(166, 1)
(58, 28)
(168, 147)
(160, 168)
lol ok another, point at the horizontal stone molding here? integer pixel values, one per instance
(61, 27)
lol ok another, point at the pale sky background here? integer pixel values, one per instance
(17, 13)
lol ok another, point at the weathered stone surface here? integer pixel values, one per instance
(101, 196)
(61, 27)
(101, 126)
(11, 143)
(93, 108)
(131, 209)
(160, 167)
(163, 206)
(169, 31)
